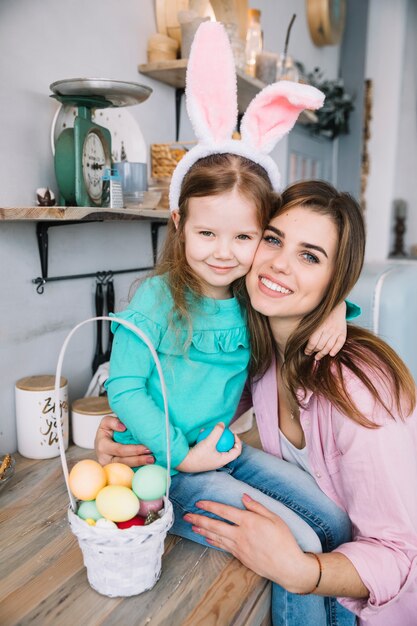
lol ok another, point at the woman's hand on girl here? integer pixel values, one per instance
(330, 336)
(204, 457)
(109, 451)
(260, 540)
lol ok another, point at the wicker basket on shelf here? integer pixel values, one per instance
(166, 156)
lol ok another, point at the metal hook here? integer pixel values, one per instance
(40, 288)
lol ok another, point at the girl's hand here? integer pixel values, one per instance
(109, 451)
(260, 540)
(204, 457)
(330, 335)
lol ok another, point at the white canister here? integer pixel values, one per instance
(36, 428)
(86, 415)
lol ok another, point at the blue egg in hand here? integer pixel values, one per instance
(226, 441)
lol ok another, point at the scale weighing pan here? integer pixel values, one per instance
(117, 93)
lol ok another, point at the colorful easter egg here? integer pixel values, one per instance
(117, 503)
(90, 521)
(119, 474)
(135, 521)
(150, 505)
(86, 479)
(150, 482)
(226, 441)
(88, 509)
(105, 523)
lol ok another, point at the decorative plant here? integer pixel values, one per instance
(333, 117)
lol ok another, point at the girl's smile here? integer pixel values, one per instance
(221, 236)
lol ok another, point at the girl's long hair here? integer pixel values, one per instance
(369, 358)
(210, 176)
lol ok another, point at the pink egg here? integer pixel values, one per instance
(150, 505)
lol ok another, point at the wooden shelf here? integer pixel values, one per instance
(74, 213)
(173, 73)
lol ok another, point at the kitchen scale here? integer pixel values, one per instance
(83, 153)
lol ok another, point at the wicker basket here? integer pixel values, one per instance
(119, 562)
(166, 156)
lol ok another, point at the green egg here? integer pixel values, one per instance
(150, 482)
(88, 509)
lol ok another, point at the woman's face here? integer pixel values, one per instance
(293, 264)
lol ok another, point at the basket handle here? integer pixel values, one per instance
(148, 342)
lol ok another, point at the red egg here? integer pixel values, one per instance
(134, 521)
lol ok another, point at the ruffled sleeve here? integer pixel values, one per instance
(131, 366)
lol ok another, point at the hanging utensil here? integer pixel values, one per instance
(110, 309)
(99, 357)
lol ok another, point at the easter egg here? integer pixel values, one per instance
(150, 505)
(105, 523)
(86, 479)
(150, 482)
(119, 474)
(135, 521)
(117, 503)
(226, 441)
(90, 521)
(88, 509)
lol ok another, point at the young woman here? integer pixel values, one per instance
(350, 422)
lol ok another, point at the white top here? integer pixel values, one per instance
(294, 455)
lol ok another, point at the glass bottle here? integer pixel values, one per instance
(253, 40)
(286, 68)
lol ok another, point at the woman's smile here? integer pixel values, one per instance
(268, 284)
(293, 265)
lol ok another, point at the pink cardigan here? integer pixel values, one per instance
(372, 475)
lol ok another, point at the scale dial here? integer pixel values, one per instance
(95, 159)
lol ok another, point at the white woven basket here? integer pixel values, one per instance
(119, 562)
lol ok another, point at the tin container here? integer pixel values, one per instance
(36, 428)
(86, 415)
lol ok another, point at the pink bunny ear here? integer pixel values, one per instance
(211, 84)
(274, 111)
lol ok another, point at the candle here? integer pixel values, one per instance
(400, 208)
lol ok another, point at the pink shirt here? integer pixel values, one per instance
(372, 475)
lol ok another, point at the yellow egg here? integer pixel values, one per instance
(86, 479)
(119, 474)
(90, 521)
(117, 503)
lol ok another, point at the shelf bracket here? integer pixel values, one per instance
(42, 237)
(179, 92)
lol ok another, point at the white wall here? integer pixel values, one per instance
(391, 64)
(406, 157)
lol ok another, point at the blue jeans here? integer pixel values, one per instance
(316, 522)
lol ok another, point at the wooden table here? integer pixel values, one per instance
(43, 580)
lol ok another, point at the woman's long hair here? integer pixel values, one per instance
(390, 382)
(210, 176)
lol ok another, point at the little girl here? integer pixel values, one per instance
(221, 197)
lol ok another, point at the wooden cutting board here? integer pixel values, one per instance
(232, 12)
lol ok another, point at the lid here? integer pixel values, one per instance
(92, 405)
(39, 383)
(254, 15)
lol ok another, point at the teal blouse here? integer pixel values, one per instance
(204, 382)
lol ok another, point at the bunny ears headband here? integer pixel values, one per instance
(211, 96)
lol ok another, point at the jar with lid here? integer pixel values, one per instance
(253, 40)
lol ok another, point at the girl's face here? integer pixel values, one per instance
(293, 265)
(221, 236)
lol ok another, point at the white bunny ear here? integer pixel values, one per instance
(274, 111)
(211, 84)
